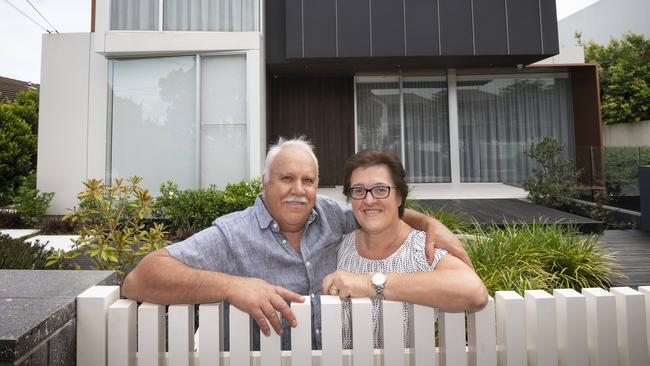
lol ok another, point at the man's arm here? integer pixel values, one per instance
(438, 236)
(162, 279)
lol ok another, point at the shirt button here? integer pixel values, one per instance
(313, 296)
(317, 330)
(284, 241)
(308, 263)
(275, 226)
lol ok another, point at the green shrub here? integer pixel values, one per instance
(18, 254)
(553, 182)
(189, 210)
(17, 151)
(30, 203)
(543, 256)
(624, 73)
(112, 232)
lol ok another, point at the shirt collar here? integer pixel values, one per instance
(265, 219)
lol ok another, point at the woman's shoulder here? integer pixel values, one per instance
(416, 241)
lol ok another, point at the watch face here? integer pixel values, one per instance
(378, 279)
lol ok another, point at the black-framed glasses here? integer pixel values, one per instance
(378, 192)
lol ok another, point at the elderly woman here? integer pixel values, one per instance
(384, 258)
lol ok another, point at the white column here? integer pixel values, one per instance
(256, 112)
(454, 146)
(542, 333)
(92, 320)
(632, 336)
(602, 340)
(511, 328)
(571, 327)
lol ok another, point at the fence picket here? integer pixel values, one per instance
(393, 330)
(301, 334)
(92, 313)
(541, 333)
(240, 341)
(511, 328)
(121, 332)
(271, 348)
(210, 334)
(645, 290)
(632, 334)
(362, 333)
(570, 308)
(451, 334)
(151, 334)
(332, 339)
(602, 340)
(180, 334)
(481, 336)
(424, 336)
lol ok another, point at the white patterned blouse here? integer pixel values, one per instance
(408, 258)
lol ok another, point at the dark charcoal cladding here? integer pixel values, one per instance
(398, 28)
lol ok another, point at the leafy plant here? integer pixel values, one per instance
(17, 146)
(55, 225)
(18, 254)
(30, 203)
(624, 66)
(553, 182)
(9, 219)
(190, 210)
(112, 232)
(543, 256)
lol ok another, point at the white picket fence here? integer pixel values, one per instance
(595, 327)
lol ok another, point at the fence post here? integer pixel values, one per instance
(151, 334)
(122, 333)
(210, 334)
(571, 328)
(393, 328)
(301, 335)
(451, 336)
(602, 340)
(645, 290)
(542, 334)
(511, 328)
(332, 338)
(92, 322)
(481, 336)
(362, 332)
(424, 337)
(632, 337)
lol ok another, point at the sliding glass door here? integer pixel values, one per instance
(407, 116)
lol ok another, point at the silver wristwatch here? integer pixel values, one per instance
(378, 281)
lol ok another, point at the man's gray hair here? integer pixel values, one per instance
(301, 143)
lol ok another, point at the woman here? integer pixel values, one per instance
(385, 258)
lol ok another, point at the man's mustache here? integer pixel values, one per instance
(295, 199)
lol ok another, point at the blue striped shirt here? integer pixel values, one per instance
(249, 243)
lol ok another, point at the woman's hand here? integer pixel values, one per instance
(347, 284)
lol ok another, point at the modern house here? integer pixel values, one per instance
(193, 91)
(604, 20)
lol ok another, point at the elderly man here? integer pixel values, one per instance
(260, 258)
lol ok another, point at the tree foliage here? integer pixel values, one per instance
(18, 141)
(624, 67)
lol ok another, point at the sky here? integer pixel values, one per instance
(20, 38)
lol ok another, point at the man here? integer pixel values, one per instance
(262, 257)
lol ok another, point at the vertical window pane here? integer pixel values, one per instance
(426, 130)
(134, 14)
(153, 120)
(224, 146)
(211, 15)
(499, 115)
(378, 116)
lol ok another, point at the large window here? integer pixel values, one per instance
(500, 115)
(186, 15)
(166, 127)
(408, 116)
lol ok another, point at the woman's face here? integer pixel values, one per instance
(375, 215)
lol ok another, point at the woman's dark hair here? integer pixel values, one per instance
(368, 158)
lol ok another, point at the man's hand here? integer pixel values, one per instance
(347, 284)
(438, 236)
(262, 301)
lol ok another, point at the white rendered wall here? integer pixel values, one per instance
(567, 55)
(606, 19)
(627, 134)
(63, 116)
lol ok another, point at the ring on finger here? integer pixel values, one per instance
(334, 291)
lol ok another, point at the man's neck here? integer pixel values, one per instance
(294, 237)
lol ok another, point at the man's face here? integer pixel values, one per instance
(290, 193)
